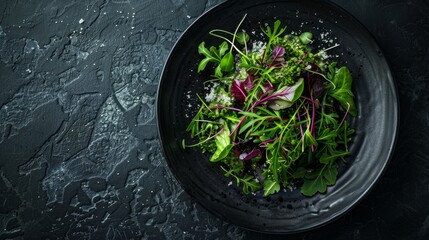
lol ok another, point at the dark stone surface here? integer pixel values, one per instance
(79, 153)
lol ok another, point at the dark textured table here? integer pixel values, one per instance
(79, 152)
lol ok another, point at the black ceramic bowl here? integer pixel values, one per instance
(376, 123)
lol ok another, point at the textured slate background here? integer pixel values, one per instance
(79, 153)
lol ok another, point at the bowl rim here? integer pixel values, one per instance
(363, 195)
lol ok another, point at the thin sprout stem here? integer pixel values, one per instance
(208, 121)
(232, 34)
(327, 49)
(230, 42)
(202, 101)
(245, 47)
(238, 125)
(312, 101)
(207, 139)
(300, 128)
(236, 30)
(322, 75)
(229, 108)
(217, 79)
(233, 38)
(345, 115)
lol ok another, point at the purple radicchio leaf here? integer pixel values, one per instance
(318, 88)
(285, 96)
(248, 82)
(278, 52)
(247, 156)
(237, 90)
(268, 87)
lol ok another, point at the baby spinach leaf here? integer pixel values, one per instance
(227, 62)
(342, 91)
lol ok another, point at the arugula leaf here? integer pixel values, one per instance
(310, 138)
(218, 72)
(330, 174)
(216, 56)
(332, 156)
(202, 65)
(273, 34)
(319, 180)
(299, 173)
(250, 184)
(223, 47)
(270, 187)
(223, 145)
(342, 92)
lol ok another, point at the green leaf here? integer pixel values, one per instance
(330, 158)
(330, 174)
(306, 37)
(183, 144)
(250, 184)
(223, 145)
(310, 138)
(250, 114)
(312, 186)
(331, 119)
(223, 47)
(331, 67)
(216, 56)
(299, 89)
(202, 65)
(343, 78)
(204, 51)
(299, 173)
(242, 37)
(227, 62)
(247, 125)
(218, 72)
(318, 181)
(274, 33)
(327, 135)
(342, 92)
(270, 187)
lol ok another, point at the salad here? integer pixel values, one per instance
(276, 112)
